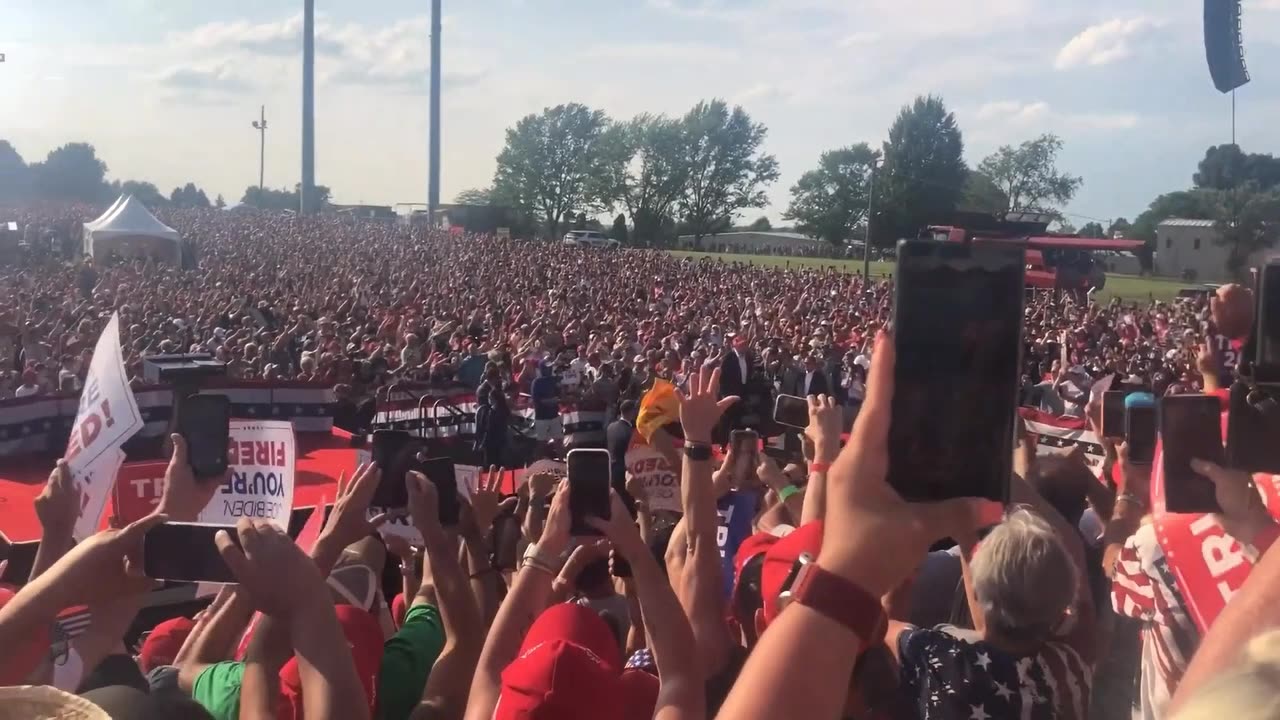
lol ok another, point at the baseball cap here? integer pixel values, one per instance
(164, 642)
(569, 668)
(781, 558)
(364, 636)
(29, 701)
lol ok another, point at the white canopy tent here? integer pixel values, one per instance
(129, 230)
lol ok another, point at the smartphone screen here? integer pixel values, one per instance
(440, 472)
(588, 489)
(186, 552)
(1190, 429)
(392, 452)
(1113, 414)
(958, 333)
(746, 446)
(791, 411)
(1140, 433)
(204, 421)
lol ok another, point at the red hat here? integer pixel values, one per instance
(781, 559)
(364, 636)
(569, 668)
(164, 642)
(17, 663)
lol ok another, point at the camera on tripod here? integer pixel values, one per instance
(1253, 419)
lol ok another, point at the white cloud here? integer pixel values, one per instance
(760, 92)
(208, 77)
(1103, 43)
(1003, 116)
(659, 52)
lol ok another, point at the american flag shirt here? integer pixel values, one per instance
(951, 674)
(1143, 588)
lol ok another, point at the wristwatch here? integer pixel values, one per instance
(842, 601)
(697, 451)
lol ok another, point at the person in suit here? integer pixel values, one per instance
(809, 379)
(736, 369)
(617, 441)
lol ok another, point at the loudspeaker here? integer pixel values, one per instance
(1222, 44)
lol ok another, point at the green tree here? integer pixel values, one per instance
(728, 173)
(647, 167)
(189, 196)
(14, 176)
(1029, 176)
(1065, 227)
(924, 171)
(146, 193)
(474, 196)
(981, 194)
(552, 163)
(1248, 226)
(1191, 204)
(1120, 225)
(270, 199)
(71, 172)
(1092, 230)
(761, 224)
(619, 231)
(1225, 167)
(829, 201)
(219, 203)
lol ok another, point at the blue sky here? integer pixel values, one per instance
(166, 89)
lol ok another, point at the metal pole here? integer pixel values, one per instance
(433, 162)
(866, 240)
(262, 150)
(308, 106)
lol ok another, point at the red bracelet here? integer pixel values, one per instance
(819, 467)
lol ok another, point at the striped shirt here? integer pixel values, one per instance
(1144, 588)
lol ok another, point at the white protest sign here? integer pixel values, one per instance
(661, 480)
(107, 417)
(552, 467)
(399, 524)
(263, 456)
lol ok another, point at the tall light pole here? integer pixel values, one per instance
(261, 126)
(433, 162)
(308, 106)
(866, 240)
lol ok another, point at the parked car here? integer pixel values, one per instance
(589, 239)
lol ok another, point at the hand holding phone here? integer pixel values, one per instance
(791, 411)
(1140, 428)
(746, 453)
(1113, 414)
(442, 475)
(588, 489)
(204, 422)
(186, 552)
(393, 451)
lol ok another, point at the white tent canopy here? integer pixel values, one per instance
(130, 230)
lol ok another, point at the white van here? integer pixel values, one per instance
(589, 239)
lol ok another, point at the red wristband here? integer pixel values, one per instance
(819, 467)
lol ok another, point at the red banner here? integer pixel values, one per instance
(139, 487)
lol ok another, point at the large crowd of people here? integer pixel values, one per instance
(842, 601)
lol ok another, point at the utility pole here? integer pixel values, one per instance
(433, 162)
(261, 126)
(866, 240)
(308, 106)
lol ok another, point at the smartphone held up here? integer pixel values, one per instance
(588, 471)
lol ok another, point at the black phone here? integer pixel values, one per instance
(1113, 414)
(783, 455)
(746, 448)
(1251, 431)
(204, 421)
(392, 451)
(1190, 429)
(958, 332)
(1267, 328)
(791, 411)
(1140, 433)
(588, 471)
(505, 539)
(186, 552)
(440, 471)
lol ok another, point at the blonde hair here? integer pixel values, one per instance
(1249, 691)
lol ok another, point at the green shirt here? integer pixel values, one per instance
(217, 688)
(406, 662)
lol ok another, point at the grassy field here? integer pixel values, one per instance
(1126, 287)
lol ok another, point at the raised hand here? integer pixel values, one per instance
(349, 521)
(184, 495)
(700, 409)
(58, 505)
(278, 576)
(620, 529)
(1244, 514)
(826, 419)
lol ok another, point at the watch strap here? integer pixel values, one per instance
(697, 451)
